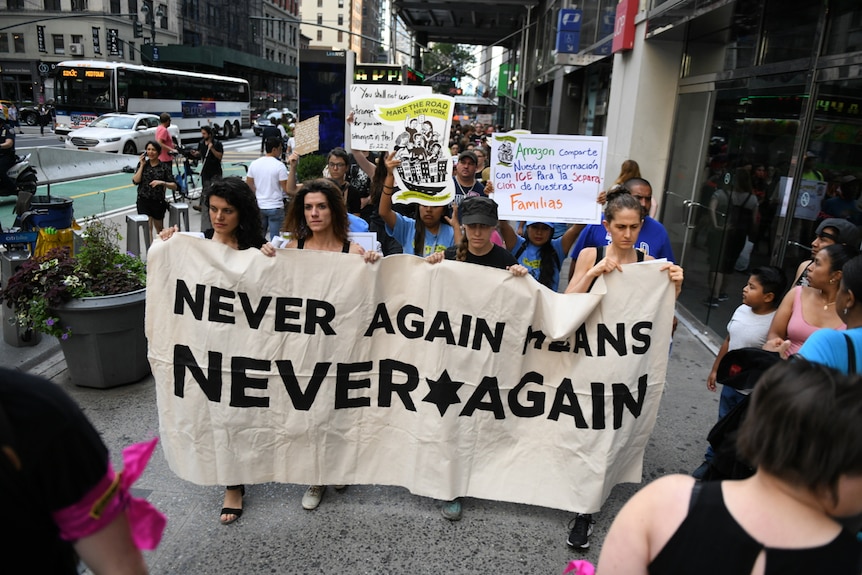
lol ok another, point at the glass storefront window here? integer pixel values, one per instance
(789, 29)
(844, 32)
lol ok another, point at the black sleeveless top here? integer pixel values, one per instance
(600, 255)
(710, 542)
(345, 249)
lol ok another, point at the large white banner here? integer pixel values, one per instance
(450, 379)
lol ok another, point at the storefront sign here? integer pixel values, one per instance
(549, 178)
(568, 31)
(97, 47)
(624, 27)
(40, 38)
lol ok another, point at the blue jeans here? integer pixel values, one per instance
(729, 399)
(271, 221)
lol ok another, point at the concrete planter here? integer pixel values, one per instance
(107, 347)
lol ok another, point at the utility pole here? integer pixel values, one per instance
(150, 18)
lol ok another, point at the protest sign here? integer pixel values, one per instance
(307, 136)
(367, 131)
(422, 124)
(548, 178)
(449, 379)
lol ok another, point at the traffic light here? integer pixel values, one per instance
(139, 29)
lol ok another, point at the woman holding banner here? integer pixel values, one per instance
(236, 223)
(479, 218)
(624, 217)
(317, 218)
(623, 221)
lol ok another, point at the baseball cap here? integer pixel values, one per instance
(478, 210)
(846, 232)
(549, 224)
(469, 155)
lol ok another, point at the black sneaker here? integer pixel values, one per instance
(711, 302)
(579, 536)
(723, 297)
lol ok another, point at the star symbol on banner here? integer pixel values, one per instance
(443, 392)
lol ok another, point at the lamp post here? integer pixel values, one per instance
(150, 18)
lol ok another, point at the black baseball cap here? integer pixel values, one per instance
(478, 210)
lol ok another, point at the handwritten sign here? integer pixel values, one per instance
(368, 132)
(307, 136)
(422, 127)
(548, 178)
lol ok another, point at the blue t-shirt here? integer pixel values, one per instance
(356, 224)
(531, 259)
(405, 231)
(829, 347)
(652, 240)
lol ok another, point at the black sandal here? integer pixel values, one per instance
(237, 513)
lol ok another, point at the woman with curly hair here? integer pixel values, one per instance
(236, 223)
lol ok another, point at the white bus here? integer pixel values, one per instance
(86, 89)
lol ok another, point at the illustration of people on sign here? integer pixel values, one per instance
(424, 169)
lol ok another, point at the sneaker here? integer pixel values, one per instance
(700, 471)
(579, 536)
(312, 496)
(451, 510)
(711, 302)
(723, 297)
(339, 487)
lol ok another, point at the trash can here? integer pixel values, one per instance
(15, 255)
(50, 212)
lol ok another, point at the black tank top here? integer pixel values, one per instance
(600, 255)
(345, 249)
(710, 542)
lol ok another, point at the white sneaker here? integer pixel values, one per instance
(339, 487)
(312, 496)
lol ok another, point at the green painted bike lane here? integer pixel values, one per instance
(95, 196)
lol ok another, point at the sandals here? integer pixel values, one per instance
(237, 513)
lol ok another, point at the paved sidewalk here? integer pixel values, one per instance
(376, 529)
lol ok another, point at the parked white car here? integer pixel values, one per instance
(118, 132)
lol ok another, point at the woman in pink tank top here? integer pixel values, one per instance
(804, 310)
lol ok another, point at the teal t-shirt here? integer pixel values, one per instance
(405, 230)
(531, 259)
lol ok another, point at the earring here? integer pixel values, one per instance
(846, 310)
(832, 281)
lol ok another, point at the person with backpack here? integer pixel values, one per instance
(734, 219)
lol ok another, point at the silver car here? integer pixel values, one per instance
(118, 132)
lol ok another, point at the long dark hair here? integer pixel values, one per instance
(295, 220)
(549, 260)
(234, 190)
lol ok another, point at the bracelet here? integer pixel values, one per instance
(389, 194)
(388, 187)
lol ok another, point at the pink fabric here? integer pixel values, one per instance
(798, 330)
(496, 238)
(580, 567)
(110, 497)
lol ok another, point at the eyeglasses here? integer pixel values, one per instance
(334, 166)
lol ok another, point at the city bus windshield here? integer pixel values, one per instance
(85, 89)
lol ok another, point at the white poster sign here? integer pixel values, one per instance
(368, 132)
(548, 178)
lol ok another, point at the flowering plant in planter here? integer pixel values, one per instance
(100, 268)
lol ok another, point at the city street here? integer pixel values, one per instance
(378, 529)
(366, 528)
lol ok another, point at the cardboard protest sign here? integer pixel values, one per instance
(449, 379)
(548, 178)
(307, 136)
(422, 127)
(367, 131)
